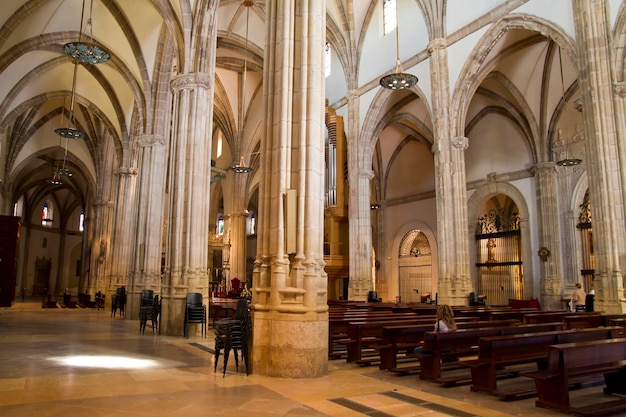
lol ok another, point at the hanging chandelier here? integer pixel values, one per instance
(70, 131)
(567, 161)
(398, 80)
(86, 52)
(241, 167)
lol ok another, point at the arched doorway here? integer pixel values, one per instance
(499, 251)
(415, 268)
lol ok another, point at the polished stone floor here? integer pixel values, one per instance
(81, 362)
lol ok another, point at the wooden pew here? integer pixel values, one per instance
(364, 336)
(500, 356)
(442, 351)
(547, 316)
(338, 327)
(447, 347)
(403, 339)
(620, 322)
(582, 321)
(575, 363)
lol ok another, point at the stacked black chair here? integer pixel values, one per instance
(150, 311)
(233, 335)
(195, 312)
(145, 308)
(119, 302)
(99, 300)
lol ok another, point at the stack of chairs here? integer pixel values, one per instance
(99, 300)
(195, 312)
(233, 335)
(119, 302)
(149, 309)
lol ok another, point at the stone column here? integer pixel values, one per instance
(238, 219)
(604, 161)
(549, 237)
(118, 253)
(190, 174)
(290, 313)
(452, 228)
(360, 227)
(99, 230)
(146, 272)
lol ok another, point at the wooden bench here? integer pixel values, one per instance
(620, 322)
(446, 348)
(548, 316)
(575, 363)
(398, 342)
(363, 337)
(582, 321)
(442, 351)
(499, 356)
(338, 328)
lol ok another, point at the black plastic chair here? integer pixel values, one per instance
(195, 312)
(231, 335)
(474, 300)
(119, 302)
(150, 312)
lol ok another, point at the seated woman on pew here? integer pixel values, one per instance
(445, 322)
(445, 319)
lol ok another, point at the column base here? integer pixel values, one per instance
(290, 345)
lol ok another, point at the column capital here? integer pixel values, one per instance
(620, 88)
(436, 44)
(126, 171)
(543, 167)
(150, 140)
(102, 203)
(190, 81)
(460, 142)
(365, 173)
(352, 95)
(240, 213)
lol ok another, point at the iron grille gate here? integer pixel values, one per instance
(499, 258)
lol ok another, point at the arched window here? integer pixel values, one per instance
(81, 221)
(389, 15)
(220, 225)
(46, 215)
(327, 59)
(251, 223)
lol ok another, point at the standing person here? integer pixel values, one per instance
(578, 297)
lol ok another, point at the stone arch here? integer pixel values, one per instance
(378, 116)
(472, 73)
(483, 193)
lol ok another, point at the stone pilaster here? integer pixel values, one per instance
(454, 275)
(99, 228)
(360, 236)
(290, 313)
(190, 159)
(549, 254)
(146, 270)
(604, 161)
(238, 220)
(118, 253)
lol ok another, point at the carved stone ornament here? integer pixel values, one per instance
(150, 140)
(460, 142)
(543, 253)
(436, 44)
(190, 81)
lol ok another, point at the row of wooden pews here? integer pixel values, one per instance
(532, 348)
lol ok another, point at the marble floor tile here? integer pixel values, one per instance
(81, 362)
